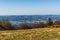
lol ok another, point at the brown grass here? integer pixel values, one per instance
(31, 34)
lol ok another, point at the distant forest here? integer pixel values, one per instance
(6, 25)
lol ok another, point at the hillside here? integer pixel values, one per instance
(31, 34)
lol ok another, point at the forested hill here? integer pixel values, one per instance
(30, 17)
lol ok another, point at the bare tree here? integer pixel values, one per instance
(5, 24)
(22, 26)
(38, 25)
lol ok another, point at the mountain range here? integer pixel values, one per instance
(16, 19)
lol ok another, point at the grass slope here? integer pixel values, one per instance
(33, 34)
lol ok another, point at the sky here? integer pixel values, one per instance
(29, 7)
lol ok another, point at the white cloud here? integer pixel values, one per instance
(28, 12)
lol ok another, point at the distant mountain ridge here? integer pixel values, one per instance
(30, 17)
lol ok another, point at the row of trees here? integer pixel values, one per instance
(6, 25)
(49, 24)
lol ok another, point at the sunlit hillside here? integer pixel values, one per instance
(31, 34)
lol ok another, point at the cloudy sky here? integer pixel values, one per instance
(29, 7)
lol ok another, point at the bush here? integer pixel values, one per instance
(57, 22)
(5, 25)
(39, 25)
(23, 26)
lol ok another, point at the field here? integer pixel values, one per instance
(31, 34)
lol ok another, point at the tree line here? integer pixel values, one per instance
(6, 25)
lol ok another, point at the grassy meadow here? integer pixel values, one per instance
(31, 34)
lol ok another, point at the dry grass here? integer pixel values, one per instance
(33, 34)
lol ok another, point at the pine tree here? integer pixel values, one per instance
(49, 22)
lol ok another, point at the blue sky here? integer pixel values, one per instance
(29, 7)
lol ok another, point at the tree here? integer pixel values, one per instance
(5, 24)
(39, 25)
(49, 22)
(57, 22)
(22, 26)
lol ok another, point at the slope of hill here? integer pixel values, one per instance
(31, 34)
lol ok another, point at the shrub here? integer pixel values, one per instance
(39, 25)
(5, 24)
(57, 22)
(23, 26)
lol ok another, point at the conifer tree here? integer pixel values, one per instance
(49, 22)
